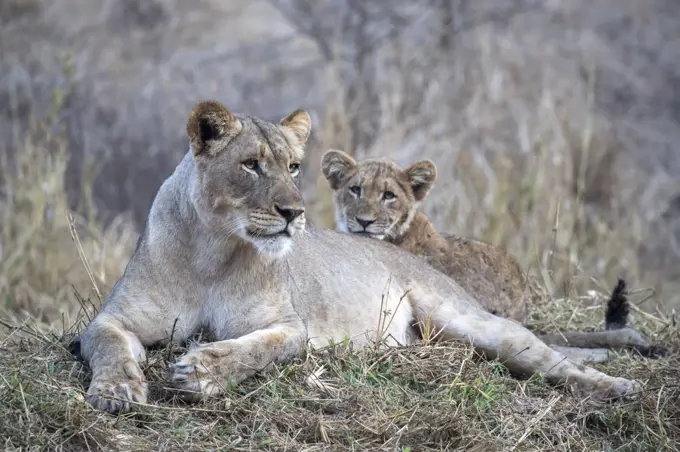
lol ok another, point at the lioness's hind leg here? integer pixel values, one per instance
(112, 353)
(520, 350)
(583, 355)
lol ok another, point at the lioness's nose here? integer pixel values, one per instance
(289, 213)
(364, 223)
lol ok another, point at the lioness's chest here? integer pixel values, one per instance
(234, 307)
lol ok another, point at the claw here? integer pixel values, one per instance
(185, 368)
(116, 397)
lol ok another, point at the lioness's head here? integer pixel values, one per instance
(248, 175)
(376, 197)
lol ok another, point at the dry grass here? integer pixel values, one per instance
(435, 397)
(39, 264)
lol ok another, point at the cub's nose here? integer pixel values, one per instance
(364, 223)
(289, 213)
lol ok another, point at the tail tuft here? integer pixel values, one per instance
(616, 316)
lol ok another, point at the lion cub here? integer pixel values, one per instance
(379, 199)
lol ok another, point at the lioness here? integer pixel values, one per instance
(225, 248)
(379, 199)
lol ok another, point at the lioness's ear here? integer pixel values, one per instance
(299, 123)
(210, 127)
(335, 165)
(421, 176)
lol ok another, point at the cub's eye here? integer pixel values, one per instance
(355, 189)
(388, 195)
(250, 164)
(294, 169)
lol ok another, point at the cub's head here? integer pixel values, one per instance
(376, 197)
(248, 175)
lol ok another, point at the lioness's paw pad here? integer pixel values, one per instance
(116, 397)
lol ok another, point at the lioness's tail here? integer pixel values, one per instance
(616, 334)
(618, 309)
(616, 318)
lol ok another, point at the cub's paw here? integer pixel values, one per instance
(116, 396)
(614, 388)
(196, 374)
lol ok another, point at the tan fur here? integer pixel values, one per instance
(223, 252)
(489, 274)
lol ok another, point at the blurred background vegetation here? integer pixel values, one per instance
(555, 124)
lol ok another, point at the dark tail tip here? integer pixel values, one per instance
(618, 309)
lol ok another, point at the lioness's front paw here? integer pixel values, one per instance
(613, 388)
(195, 374)
(114, 397)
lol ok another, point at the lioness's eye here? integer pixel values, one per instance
(355, 189)
(388, 195)
(250, 164)
(294, 169)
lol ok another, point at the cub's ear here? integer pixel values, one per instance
(335, 165)
(421, 176)
(210, 127)
(299, 123)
